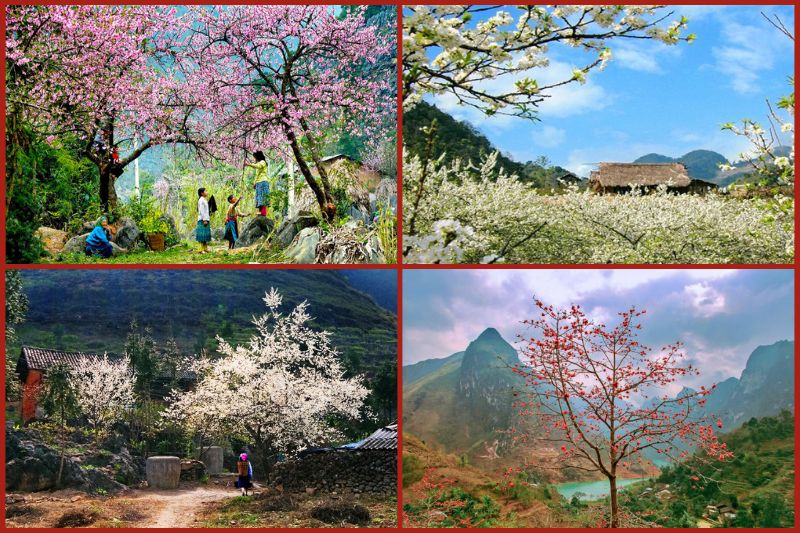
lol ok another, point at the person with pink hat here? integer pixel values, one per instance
(245, 471)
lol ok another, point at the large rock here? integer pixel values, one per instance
(127, 233)
(213, 458)
(304, 247)
(192, 470)
(52, 239)
(163, 471)
(290, 227)
(78, 244)
(359, 214)
(33, 466)
(258, 228)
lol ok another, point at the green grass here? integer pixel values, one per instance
(186, 252)
(413, 470)
(241, 519)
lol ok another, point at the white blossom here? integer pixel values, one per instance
(445, 50)
(105, 389)
(511, 220)
(279, 391)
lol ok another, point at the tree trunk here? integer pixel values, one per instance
(323, 197)
(612, 480)
(105, 187)
(109, 172)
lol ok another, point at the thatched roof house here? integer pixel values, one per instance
(619, 177)
(643, 174)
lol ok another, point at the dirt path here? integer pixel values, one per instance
(181, 506)
(137, 508)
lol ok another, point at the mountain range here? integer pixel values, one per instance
(463, 403)
(704, 165)
(456, 139)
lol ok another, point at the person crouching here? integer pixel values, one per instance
(97, 242)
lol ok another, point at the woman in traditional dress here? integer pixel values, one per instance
(203, 231)
(245, 471)
(232, 221)
(262, 182)
(97, 242)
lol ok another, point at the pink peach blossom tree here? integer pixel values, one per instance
(280, 77)
(104, 74)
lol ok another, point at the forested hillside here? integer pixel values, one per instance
(92, 310)
(461, 140)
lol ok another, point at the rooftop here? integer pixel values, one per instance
(33, 358)
(642, 174)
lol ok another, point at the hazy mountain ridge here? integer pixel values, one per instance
(463, 403)
(704, 165)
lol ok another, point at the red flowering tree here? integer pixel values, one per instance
(280, 77)
(102, 74)
(600, 394)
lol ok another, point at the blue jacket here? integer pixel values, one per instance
(97, 237)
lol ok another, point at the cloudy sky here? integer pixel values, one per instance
(653, 97)
(720, 315)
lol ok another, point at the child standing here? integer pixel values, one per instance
(203, 231)
(262, 182)
(232, 221)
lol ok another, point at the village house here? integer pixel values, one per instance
(34, 363)
(619, 177)
(720, 513)
(367, 177)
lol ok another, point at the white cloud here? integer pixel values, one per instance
(748, 49)
(548, 136)
(573, 98)
(635, 58)
(567, 100)
(706, 300)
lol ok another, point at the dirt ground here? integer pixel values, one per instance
(257, 511)
(134, 508)
(192, 505)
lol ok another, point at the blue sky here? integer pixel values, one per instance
(720, 315)
(653, 97)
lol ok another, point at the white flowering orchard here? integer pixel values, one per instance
(105, 389)
(280, 391)
(467, 214)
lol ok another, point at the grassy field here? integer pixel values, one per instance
(186, 252)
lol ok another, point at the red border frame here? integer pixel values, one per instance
(399, 267)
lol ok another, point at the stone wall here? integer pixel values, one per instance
(359, 472)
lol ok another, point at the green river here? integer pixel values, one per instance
(591, 490)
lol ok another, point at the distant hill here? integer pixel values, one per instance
(461, 402)
(417, 371)
(757, 483)
(704, 165)
(461, 140)
(765, 387)
(701, 164)
(91, 310)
